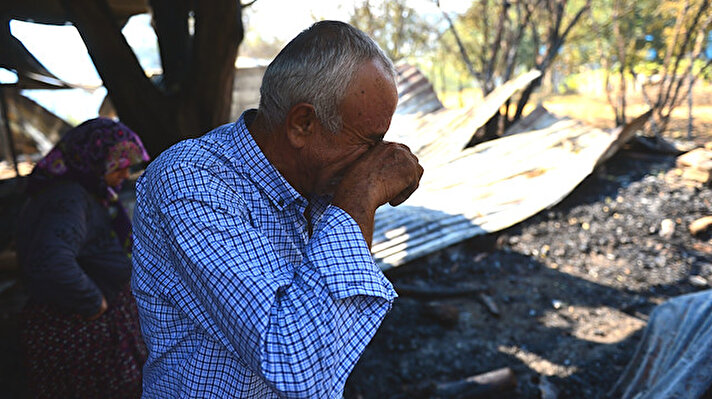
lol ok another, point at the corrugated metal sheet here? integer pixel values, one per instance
(442, 133)
(479, 190)
(40, 127)
(415, 93)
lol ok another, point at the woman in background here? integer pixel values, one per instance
(79, 330)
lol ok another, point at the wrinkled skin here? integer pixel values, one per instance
(355, 164)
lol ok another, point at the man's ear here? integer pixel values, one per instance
(301, 124)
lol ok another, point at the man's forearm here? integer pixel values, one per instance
(362, 216)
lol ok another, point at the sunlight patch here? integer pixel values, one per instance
(538, 363)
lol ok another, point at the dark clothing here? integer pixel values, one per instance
(70, 257)
(68, 250)
(73, 240)
(68, 357)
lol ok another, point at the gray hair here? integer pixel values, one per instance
(316, 67)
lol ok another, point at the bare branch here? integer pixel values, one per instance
(698, 48)
(557, 40)
(671, 45)
(495, 46)
(463, 51)
(118, 67)
(513, 50)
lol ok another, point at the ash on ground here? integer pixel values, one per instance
(560, 298)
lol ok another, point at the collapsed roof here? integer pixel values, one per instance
(465, 192)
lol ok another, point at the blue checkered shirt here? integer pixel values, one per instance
(236, 300)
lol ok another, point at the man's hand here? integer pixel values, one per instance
(388, 172)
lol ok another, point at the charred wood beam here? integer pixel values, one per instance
(8, 131)
(52, 12)
(41, 11)
(170, 20)
(497, 381)
(138, 102)
(218, 33)
(16, 57)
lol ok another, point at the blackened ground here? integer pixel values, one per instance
(573, 286)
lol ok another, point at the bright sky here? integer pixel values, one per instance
(61, 50)
(285, 19)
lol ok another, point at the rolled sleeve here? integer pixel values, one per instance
(301, 326)
(341, 256)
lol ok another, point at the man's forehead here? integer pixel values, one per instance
(372, 90)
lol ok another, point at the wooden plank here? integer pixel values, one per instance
(698, 175)
(700, 225)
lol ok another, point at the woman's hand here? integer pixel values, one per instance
(101, 311)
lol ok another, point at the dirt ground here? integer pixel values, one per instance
(561, 299)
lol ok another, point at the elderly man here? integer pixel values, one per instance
(252, 269)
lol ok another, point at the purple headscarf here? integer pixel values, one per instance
(85, 154)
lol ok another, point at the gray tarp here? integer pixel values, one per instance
(674, 357)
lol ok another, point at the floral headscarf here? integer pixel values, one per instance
(85, 154)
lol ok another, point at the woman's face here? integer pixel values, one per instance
(115, 178)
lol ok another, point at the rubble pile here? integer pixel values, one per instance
(696, 165)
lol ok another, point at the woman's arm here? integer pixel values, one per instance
(51, 250)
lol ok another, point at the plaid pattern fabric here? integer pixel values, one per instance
(235, 298)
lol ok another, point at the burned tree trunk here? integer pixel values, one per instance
(499, 55)
(556, 38)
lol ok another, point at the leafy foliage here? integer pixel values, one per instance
(492, 41)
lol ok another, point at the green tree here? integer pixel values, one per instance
(398, 28)
(685, 40)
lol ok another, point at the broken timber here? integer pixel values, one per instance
(488, 384)
(489, 187)
(696, 165)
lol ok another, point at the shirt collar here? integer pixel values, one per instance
(260, 170)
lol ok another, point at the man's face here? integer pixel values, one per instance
(366, 112)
